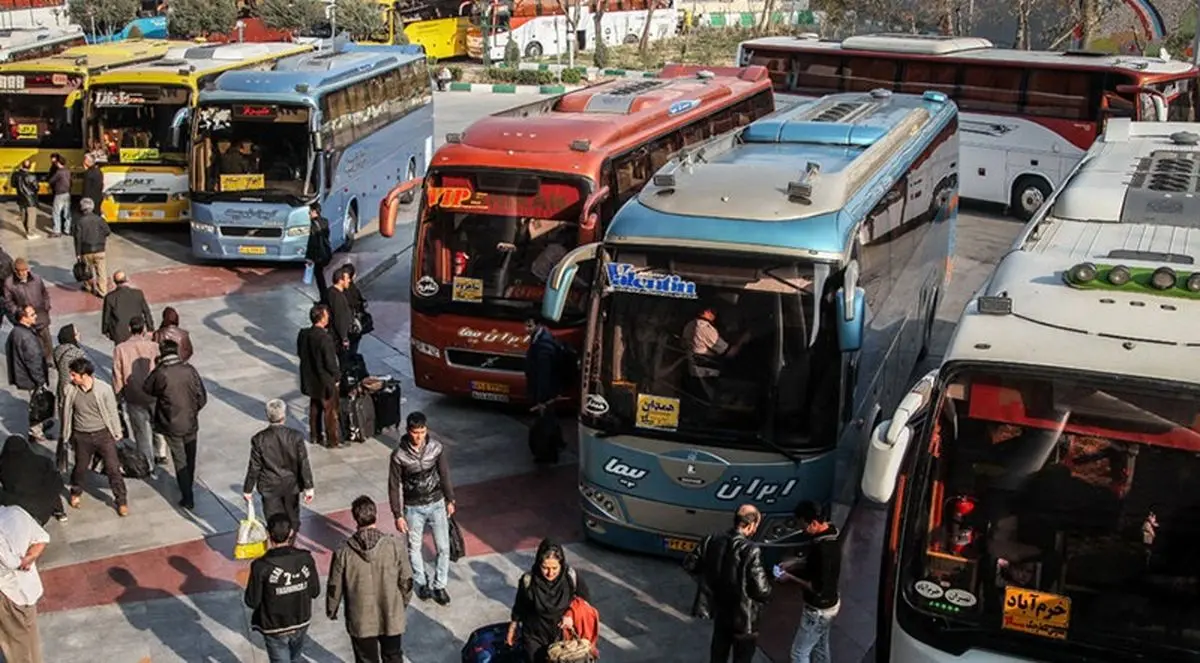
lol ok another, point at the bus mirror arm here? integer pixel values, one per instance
(889, 441)
(1160, 99)
(588, 218)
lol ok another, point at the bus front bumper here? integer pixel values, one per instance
(208, 243)
(173, 211)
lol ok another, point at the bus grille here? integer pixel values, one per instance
(486, 360)
(139, 198)
(245, 231)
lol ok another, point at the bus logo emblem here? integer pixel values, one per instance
(682, 106)
(427, 287)
(626, 475)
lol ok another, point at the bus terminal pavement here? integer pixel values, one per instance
(161, 585)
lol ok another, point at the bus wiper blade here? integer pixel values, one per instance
(783, 451)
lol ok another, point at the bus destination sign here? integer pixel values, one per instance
(255, 112)
(553, 200)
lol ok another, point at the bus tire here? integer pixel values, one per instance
(350, 227)
(1028, 194)
(409, 196)
(533, 50)
(632, 39)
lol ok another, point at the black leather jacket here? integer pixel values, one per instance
(733, 585)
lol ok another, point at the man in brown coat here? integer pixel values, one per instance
(372, 572)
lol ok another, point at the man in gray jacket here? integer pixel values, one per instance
(372, 573)
(92, 424)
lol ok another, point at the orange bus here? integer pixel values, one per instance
(506, 199)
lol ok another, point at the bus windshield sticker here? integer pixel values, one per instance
(657, 412)
(427, 286)
(1037, 613)
(767, 492)
(108, 97)
(467, 290)
(595, 405)
(627, 475)
(456, 197)
(27, 131)
(682, 106)
(243, 182)
(927, 589)
(135, 154)
(623, 277)
(961, 598)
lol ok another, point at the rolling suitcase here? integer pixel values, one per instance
(354, 371)
(358, 417)
(387, 405)
(486, 645)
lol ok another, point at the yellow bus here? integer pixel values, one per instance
(440, 26)
(41, 103)
(138, 118)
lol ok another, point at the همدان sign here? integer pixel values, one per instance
(254, 182)
(623, 277)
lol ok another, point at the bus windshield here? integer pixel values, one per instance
(262, 151)
(140, 124)
(1059, 511)
(489, 241)
(1181, 99)
(725, 349)
(40, 113)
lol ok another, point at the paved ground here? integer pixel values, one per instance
(160, 585)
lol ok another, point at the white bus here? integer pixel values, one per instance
(548, 35)
(1043, 480)
(17, 45)
(1027, 117)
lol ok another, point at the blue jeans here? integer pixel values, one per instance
(812, 638)
(434, 514)
(60, 212)
(140, 429)
(286, 647)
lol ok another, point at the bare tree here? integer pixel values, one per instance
(600, 52)
(1023, 9)
(644, 42)
(571, 10)
(765, 21)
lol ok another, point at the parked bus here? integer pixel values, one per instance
(764, 296)
(438, 26)
(41, 103)
(508, 197)
(1027, 116)
(1042, 480)
(31, 43)
(145, 27)
(541, 29)
(340, 127)
(138, 117)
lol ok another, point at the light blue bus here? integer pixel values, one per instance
(147, 27)
(810, 249)
(340, 126)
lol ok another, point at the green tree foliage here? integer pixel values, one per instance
(198, 18)
(291, 14)
(361, 18)
(512, 53)
(108, 16)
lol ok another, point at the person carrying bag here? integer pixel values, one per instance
(251, 536)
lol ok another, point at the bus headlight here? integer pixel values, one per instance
(601, 500)
(1163, 278)
(204, 228)
(298, 231)
(426, 349)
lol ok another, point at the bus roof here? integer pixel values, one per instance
(310, 74)
(589, 125)
(973, 50)
(737, 190)
(1143, 177)
(94, 58)
(25, 37)
(191, 60)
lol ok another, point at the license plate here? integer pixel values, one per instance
(141, 214)
(253, 250)
(489, 387)
(486, 396)
(680, 545)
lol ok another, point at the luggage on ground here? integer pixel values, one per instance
(354, 371)
(357, 413)
(82, 271)
(486, 645)
(251, 536)
(545, 438)
(133, 464)
(387, 405)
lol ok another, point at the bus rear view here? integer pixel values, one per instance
(1043, 479)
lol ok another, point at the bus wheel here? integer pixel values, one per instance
(1028, 194)
(632, 39)
(407, 197)
(350, 228)
(533, 50)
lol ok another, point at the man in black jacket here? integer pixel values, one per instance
(341, 311)
(93, 182)
(733, 587)
(121, 305)
(60, 188)
(318, 250)
(543, 384)
(24, 288)
(279, 467)
(27, 368)
(179, 396)
(319, 377)
(25, 183)
(819, 579)
(91, 236)
(280, 591)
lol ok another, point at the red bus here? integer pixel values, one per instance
(506, 199)
(1026, 117)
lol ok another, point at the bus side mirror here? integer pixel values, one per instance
(890, 439)
(181, 120)
(327, 169)
(851, 313)
(558, 285)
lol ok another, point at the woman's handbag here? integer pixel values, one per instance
(41, 406)
(570, 650)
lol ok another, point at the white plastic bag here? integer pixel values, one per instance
(251, 536)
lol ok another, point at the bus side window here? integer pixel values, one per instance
(818, 74)
(990, 88)
(1060, 94)
(866, 74)
(920, 76)
(631, 174)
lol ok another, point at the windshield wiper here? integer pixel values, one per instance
(766, 441)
